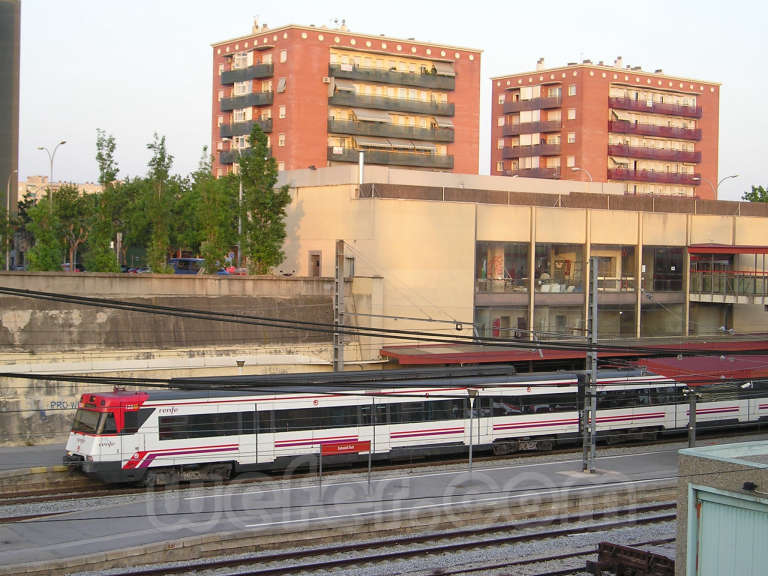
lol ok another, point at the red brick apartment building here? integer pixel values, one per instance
(656, 133)
(324, 94)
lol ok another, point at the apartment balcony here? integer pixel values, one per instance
(655, 107)
(532, 104)
(653, 153)
(534, 150)
(246, 100)
(435, 81)
(243, 128)
(230, 156)
(653, 176)
(625, 127)
(531, 128)
(389, 130)
(421, 160)
(249, 73)
(391, 104)
(551, 173)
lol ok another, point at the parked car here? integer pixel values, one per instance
(140, 270)
(186, 265)
(66, 267)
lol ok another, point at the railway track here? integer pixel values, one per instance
(387, 550)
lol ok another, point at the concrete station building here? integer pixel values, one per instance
(323, 94)
(510, 256)
(651, 132)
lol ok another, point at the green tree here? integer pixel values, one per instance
(74, 216)
(757, 194)
(99, 255)
(263, 206)
(47, 252)
(217, 213)
(105, 157)
(158, 203)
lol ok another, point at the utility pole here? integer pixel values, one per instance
(589, 414)
(338, 309)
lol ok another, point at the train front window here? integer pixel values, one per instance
(87, 421)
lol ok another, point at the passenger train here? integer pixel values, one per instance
(164, 436)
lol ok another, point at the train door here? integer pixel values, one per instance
(131, 442)
(376, 428)
(264, 434)
(480, 421)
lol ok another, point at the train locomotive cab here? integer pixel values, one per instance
(105, 428)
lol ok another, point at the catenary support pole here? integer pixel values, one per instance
(338, 309)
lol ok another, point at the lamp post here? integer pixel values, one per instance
(8, 220)
(577, 169)
(51, 156)
(715, 189)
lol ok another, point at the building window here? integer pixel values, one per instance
(281, 166)
(572, 90)
(500, 121)
(281, 85)
(501, 267)
(219, 173)
(221, 69)
(501, 98)
(500, 143)
(219, 121)
(281, 139)
(570, 161)
(349, 266)
(571, 113)
(283, 55)
(500, 166)
(571, 137)
(266, 59)
(281, 112)
(242, 88)
(221, 94)
(266, 85)
(559, 268)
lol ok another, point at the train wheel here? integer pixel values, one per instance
(156, 478)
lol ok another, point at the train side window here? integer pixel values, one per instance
(506, 406)
(135, 419)
(172, 428)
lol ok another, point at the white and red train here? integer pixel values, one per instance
(163, 436)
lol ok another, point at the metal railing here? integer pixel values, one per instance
(653, 176)
(244, 128)
(393, 104)
(534, 150)
(655, 107)
(421, 79)
(393, 130)
(245, 100)
(243, 74)
(531, 127)
(423, 160)
(729, 283)
(626, 127)
(534, 173)
(653, 153)
(616, 284)
(532, 104)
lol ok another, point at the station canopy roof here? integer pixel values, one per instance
(704, 370)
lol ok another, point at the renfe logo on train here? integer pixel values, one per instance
(346, 447)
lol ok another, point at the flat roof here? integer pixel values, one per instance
(475, 354)
(326, 30)
(704, 370)
(606, 67)
(750, 454)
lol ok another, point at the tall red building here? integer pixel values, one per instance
(656, 133)
(322, 95)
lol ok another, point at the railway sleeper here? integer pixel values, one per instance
(170, 475)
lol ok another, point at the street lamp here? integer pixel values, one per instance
(8, 220)
(715, 189)
(577, 169)
(51, 156)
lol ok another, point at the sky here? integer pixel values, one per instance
(136, 67)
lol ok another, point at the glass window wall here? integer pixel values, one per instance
(502, 322)
(501, 267)
(558, 322)
(616, 267)
(559, 268)
(662, 269)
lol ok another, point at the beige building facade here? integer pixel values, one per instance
(509, 258)
(37, 186)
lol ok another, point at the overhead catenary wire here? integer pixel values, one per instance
(329, 328)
